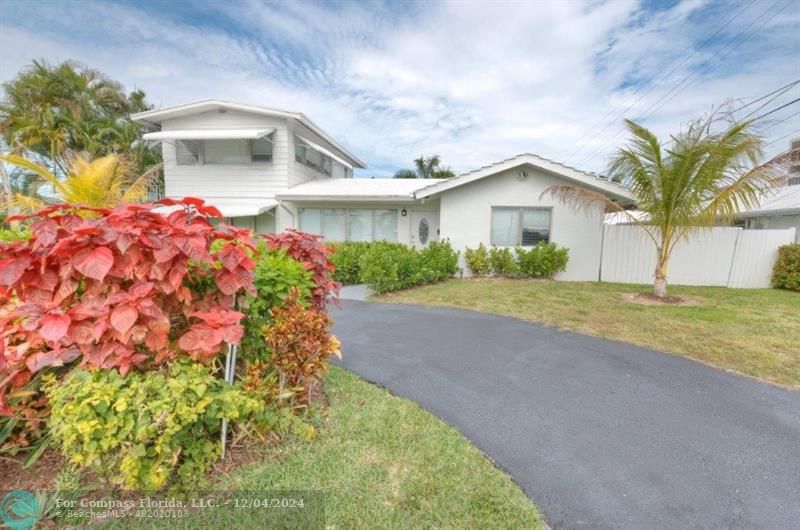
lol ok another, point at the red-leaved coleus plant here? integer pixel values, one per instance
(119, 288)
(309, 250)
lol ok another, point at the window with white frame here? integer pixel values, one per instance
(308, 156)
(261, 150)
(512, 226)
(223, 151)
(340, 224)
(187, 152)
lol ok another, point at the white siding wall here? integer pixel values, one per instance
(299, 173)
(466, 211)
(241, 184)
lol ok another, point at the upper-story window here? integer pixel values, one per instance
(237, 151)
(312, 158)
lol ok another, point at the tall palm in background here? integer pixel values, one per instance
(50, 114)
(704, 178)
(426, 168)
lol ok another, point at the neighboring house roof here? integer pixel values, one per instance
(383, 189)
(590, 180)
(156, 116)
(785, 201)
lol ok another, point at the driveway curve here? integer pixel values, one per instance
(600, 434)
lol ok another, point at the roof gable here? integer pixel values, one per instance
(589, 180)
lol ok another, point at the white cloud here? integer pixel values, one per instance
(472, 81)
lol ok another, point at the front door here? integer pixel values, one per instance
(424, 228)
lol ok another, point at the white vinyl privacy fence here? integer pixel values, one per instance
(723, 256)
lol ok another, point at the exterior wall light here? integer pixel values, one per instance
(403, 212)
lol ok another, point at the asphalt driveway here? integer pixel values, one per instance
(600, 434)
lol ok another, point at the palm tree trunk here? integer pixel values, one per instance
(660, 285)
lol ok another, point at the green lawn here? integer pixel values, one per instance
(380, 462)
(752, 331)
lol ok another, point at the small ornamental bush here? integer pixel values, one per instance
(276, 276)
(299, 344)
(437, 261)
(542, 260)
(478, 260)
(346, 258)
(502, 262)
(120, 288)
(145, 430)
(386, 266)
(309, 250)
(389, 267)
(786, 272)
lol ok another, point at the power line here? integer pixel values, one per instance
(653, 87)
(781, 91)
(776, 109)
(691, 77)
(796, 131)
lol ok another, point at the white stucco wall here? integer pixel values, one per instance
(465, 218)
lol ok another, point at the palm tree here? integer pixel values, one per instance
(52, 112)
(103, 182)
(702, 179)
(426, 168)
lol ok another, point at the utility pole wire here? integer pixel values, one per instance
(796, 131)
(776, 109)
(653, 87)
(656, 106)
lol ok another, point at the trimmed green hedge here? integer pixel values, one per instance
(786, 272)
(386, 266)
(543, 260)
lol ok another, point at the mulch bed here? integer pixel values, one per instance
(651, 299)
(40, 476)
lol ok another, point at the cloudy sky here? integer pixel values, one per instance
(474, 82)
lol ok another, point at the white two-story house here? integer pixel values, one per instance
(270, 169)
(239, 157)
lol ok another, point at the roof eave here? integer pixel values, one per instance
(346, 198)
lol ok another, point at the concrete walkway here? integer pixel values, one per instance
(600, 434)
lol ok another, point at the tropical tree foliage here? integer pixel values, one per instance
(426, 168)
(704, 176)
(104, 182)
(53, 114)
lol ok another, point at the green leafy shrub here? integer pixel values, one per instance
(502, 262)
(276, 275)
(543, 260)
(145, 430)
(436, 262)
(478, 260)
(393, 266)
(786, 272)
(9, 235)
(347, 260)
(389, 266)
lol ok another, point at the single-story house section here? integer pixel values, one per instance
(498, 205)
(775, 211)
(270, 169)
